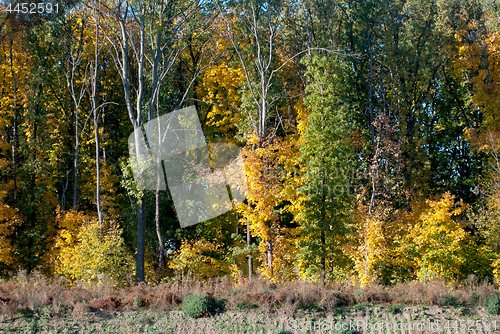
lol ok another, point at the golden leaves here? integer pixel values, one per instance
(194, 256)
(437, 243)
(85, 251)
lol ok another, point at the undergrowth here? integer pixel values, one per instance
(37, 293)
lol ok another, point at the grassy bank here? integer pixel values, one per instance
(38, 304)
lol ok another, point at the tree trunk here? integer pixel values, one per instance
(250, 259)
(323, 259)
(75, 164)
(161, 246)
(269, 248)
(14, 125)
(98, 170)
(74, 61)
(141, 233)
(95, 107)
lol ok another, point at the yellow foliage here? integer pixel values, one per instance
(85, 252)
(18, 73)
(436, 244)
(194, 257)
(371, 247)
(271, 181)
(424, 242)
(219, 87)
(8, 218)
(496, 270)
(477, 59)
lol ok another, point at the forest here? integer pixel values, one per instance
(369, 133)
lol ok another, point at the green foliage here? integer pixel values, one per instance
(393, 309)
(450, 300)
(493, 304)
(317, 92)
(197, 306)
(328, 156)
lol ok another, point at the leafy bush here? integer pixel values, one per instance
(345, 331)
(493, 304)
(197, 306)
(86, 251)
(449, 300)
(393, 309)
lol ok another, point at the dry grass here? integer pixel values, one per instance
(80, 310)
(31, 292)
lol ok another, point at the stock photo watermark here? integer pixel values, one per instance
(385, 326)
(173, 150)
(206, 180)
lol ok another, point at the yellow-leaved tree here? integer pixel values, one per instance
(219, 90)
(268, 172)
(369, 249)
(478, 60)
(196, 257)
(436, 245)
(85, 252)
(478, 54)
(8, 216)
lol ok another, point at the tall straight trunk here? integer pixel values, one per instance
(35, 133)
(14, 125)
(372, 172)
(269, 248)
(98, 170)
(95, 111)
(141, 241)
(74, 61)
(75, 162)
(141, 218)
(161, 246)
(250, 259)
(322, 236)
(154, 96)
(136, 121)
(323, 259)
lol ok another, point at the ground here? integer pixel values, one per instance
(357, 319)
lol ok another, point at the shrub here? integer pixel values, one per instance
(345, 331)
(197, 306)
(449, 300)
(493, 304)
(80, 310)
(108, 303)
(88, 252)
(393, 309)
